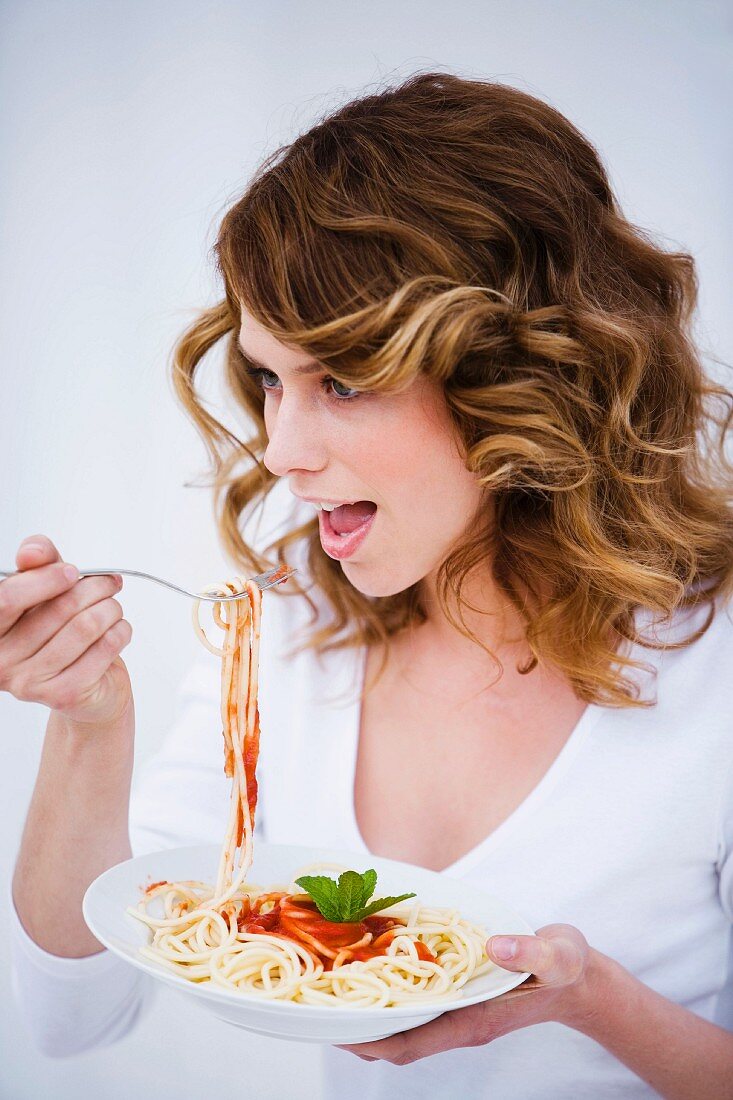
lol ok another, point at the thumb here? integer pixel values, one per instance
(34, 551)
(556, 954)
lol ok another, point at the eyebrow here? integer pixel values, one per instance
(311, 367)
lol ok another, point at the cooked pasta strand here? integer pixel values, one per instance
(233, 934)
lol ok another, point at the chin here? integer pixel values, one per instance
(375, 582)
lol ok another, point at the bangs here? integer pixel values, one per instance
(312, 278)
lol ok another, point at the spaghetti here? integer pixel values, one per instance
(275, 943)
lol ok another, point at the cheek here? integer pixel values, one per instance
(429, 494)
(430, 468)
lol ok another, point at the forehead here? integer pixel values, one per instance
(261, 348)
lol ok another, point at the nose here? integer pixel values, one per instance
(295, 438)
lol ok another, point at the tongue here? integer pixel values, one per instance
(350, 516)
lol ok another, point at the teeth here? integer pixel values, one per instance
(329, 507)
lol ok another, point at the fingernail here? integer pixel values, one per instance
(71, 572)
(504, 947)
(36, 546)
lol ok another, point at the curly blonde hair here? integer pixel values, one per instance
(467, 231)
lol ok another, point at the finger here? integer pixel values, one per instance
(72, 685)
(556, 955)
(43, 622)
(21, 591)
(36, 550)
(71, 642)
(460, 1028)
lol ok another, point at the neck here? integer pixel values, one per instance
(486, 612)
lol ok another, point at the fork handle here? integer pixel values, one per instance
(149, 577)
(263, 581)
(127, 573)
(159, 580)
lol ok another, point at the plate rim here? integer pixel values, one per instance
(212, 992)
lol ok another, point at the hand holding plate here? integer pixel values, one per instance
(559, 960)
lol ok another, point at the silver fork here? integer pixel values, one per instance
(262, 580)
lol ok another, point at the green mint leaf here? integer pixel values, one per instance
(350, 892)
(369, 879)
(345, 901)
(325, 894)
(380, 903)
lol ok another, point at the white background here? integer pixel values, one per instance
(126, 131)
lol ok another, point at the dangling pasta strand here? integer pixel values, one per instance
(272, 942)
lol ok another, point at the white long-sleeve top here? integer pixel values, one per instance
(628, 836)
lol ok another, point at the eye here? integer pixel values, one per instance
(263, 377)
(350, 393)
(259, 374)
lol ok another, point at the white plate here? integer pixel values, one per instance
(274, 865)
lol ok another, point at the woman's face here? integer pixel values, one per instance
(400, 451)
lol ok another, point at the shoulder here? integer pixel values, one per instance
(693, 678)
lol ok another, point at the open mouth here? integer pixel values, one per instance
(350, 517)
(344, 529)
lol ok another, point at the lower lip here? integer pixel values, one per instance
(337, 546)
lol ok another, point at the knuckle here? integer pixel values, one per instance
(110, 643)
(86, 626)
(119, 634)
(107, 611)
(575, 966)
(547, 951)
(66, 696)
(65, 606)
(468, 1027)
(7, 601)
(475, 1037)
(20, 687)
(87, 592)
(56, 570)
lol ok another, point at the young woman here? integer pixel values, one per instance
(442, 327)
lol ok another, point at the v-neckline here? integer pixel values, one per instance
(529, 804)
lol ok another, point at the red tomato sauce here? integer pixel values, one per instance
(296, 917)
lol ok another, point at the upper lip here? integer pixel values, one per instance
(320, 500)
